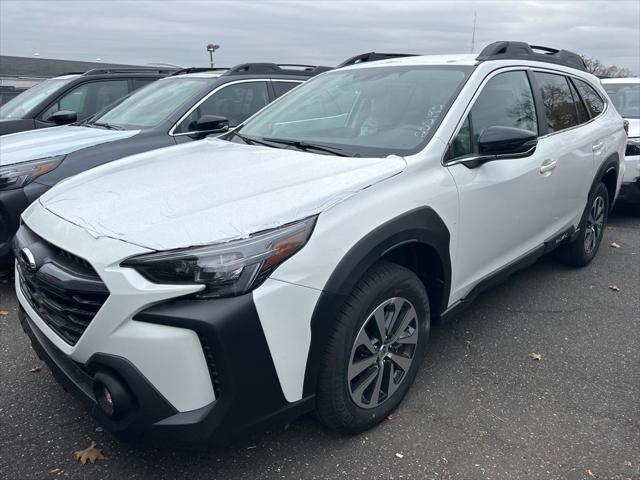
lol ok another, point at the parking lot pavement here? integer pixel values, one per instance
(480, 407)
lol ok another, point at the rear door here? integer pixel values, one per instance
(505, 205)
(574, 139)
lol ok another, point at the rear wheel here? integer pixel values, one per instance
(374, 353)
(584, 247)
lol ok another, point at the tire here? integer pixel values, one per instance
(390, 291)
(580, 251)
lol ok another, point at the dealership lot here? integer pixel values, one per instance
(480, 408)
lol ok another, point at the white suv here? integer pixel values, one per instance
(625, 97)
(192, 293)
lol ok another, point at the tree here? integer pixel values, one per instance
(601, 70)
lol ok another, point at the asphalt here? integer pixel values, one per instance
(481, 408)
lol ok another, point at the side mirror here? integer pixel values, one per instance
(63, 117)
(207, 124)
(502, 141)
(499, 143)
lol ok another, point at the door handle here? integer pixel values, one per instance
(548, 166)
(597, 147)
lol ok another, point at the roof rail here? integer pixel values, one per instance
(274, 68)
(524, 51)
(184, 71)
(372, 57)
(101, 71)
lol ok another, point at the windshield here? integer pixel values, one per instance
(625, 97)
(376, 111)
(19, 106)
(151, 105)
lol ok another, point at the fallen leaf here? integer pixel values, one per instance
(91, 454)
(391, 417)
(399, 455)
(35, 369)
(535, 356)
(615, 245)
(590, 473)
(54, 470)
(615, 288)
(4, 313)
(627, 463)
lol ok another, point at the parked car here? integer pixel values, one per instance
(70, 98)
(180, 108)
(625, 96)
(193, 293)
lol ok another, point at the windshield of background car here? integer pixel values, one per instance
(19, 106)
(625, 97)
(375, 112)
(151, 105)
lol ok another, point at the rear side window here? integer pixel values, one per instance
(505, 101)
(583, 116)
(593, 101)
(283, 87)
(559, 107)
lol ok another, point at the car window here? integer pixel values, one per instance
(236, 102)
(88, 98)
(625, 97)
(153, 104)
(29, 99)
(559, 109)
(583, 115)
(141, 82)
(374, 111)
(505, 101)
(283, 87)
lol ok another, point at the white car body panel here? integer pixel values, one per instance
(197, 207)
(54, 141)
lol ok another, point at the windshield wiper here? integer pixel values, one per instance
(306, 146)
(249, 140)
(108, 126)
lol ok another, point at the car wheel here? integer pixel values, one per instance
(375, 350)
(584, 247)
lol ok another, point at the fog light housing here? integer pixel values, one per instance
(112, 396)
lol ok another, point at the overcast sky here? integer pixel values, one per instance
(313, 32)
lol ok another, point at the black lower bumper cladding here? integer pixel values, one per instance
(249, 393)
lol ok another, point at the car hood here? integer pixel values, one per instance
(634, 127)
(49, 142)
(209, 191)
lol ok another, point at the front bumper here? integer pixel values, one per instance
(242, 372)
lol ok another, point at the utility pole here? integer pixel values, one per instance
(211, 48)
(473, 34)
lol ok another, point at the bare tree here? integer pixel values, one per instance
(601, 70)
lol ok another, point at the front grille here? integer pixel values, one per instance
(63, 289)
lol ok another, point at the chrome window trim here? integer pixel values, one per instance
(203, 99)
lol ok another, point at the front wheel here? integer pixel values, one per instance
(584, 247)
(374, 352)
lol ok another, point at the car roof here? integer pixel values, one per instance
(455, 59)
(621, 80)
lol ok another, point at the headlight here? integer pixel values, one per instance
(20, 174)
(226, 269)
(633, 147)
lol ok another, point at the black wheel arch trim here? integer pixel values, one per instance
(612, 162)
(421, 225)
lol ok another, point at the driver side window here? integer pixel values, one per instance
(505, 101)
(235, 102)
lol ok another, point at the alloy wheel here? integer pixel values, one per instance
(595, 224)
(383, 352)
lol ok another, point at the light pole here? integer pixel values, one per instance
(212, 48)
